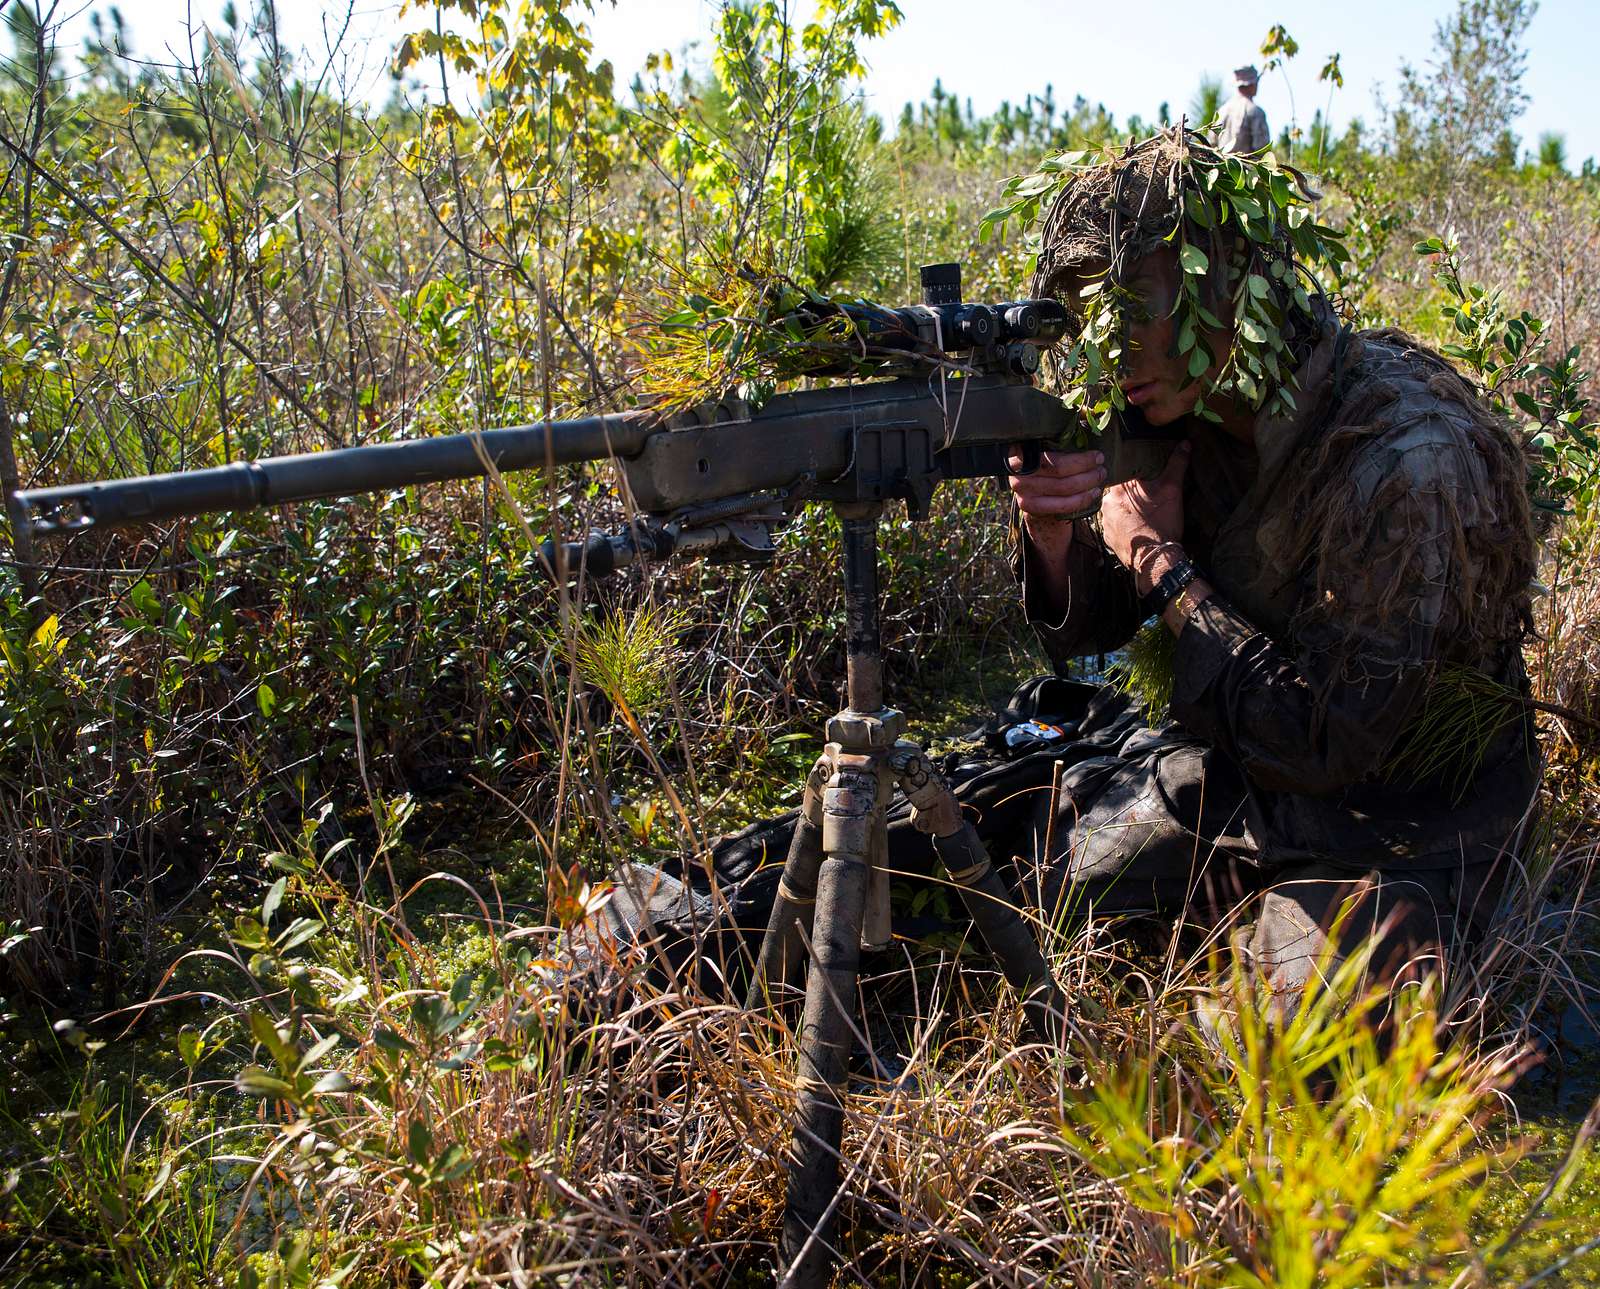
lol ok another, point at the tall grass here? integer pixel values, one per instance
(531, 1103)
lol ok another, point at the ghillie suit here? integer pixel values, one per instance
(1118, 209)
(1341, 498)
(1355, 684)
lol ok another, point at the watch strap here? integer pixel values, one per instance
(1168, 587)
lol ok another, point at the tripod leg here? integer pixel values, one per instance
(792, 912)
(966, 859)
(853, 798)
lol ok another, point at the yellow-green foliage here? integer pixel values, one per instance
(1461, 714)
(740, 330)
(629, 655)
(410, 1086)
(1144, 672)
(551, 1103)
(1340, 1158)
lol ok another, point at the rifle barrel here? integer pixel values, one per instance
(338, 472)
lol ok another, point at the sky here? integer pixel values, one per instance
(1154, 50)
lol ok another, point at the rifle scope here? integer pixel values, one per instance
(942, 324)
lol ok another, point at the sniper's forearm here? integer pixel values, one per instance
(1047, 572)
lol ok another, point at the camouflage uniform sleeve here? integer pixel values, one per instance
(1324, 710)
(1102, 608)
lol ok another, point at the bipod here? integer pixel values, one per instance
(835, 895)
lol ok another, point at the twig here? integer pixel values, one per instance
(155, 272)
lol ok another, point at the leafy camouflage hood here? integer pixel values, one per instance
(1111, 214)
(1242, 231)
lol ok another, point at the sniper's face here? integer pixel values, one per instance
(1153, 376)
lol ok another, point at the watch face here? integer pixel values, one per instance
(1168, 587)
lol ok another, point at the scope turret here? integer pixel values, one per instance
(941, 283)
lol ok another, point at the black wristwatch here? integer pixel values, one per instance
(1168, 588)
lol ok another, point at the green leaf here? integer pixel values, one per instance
(269, 906)
(318, 1050)
(47, 640)
(452, 1163)
(297, 933)
(464, 991)
(189, 1047)
(162, 1177)
(249, 934)
(1193, 259)
(1199, 360)
(255, 1081)
(389, 1041)
(265, 1031)
(419, 1143)
(285, 863)
(498, 1056)
(266, 699)
(993, 221)
(1257, 285)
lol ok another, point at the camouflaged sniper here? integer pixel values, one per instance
(1365, 550)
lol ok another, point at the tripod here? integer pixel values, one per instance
(835, 894)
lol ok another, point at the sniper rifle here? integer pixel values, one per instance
(950, 393)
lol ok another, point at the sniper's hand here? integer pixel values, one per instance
(1145, 513)
(1065, 484)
